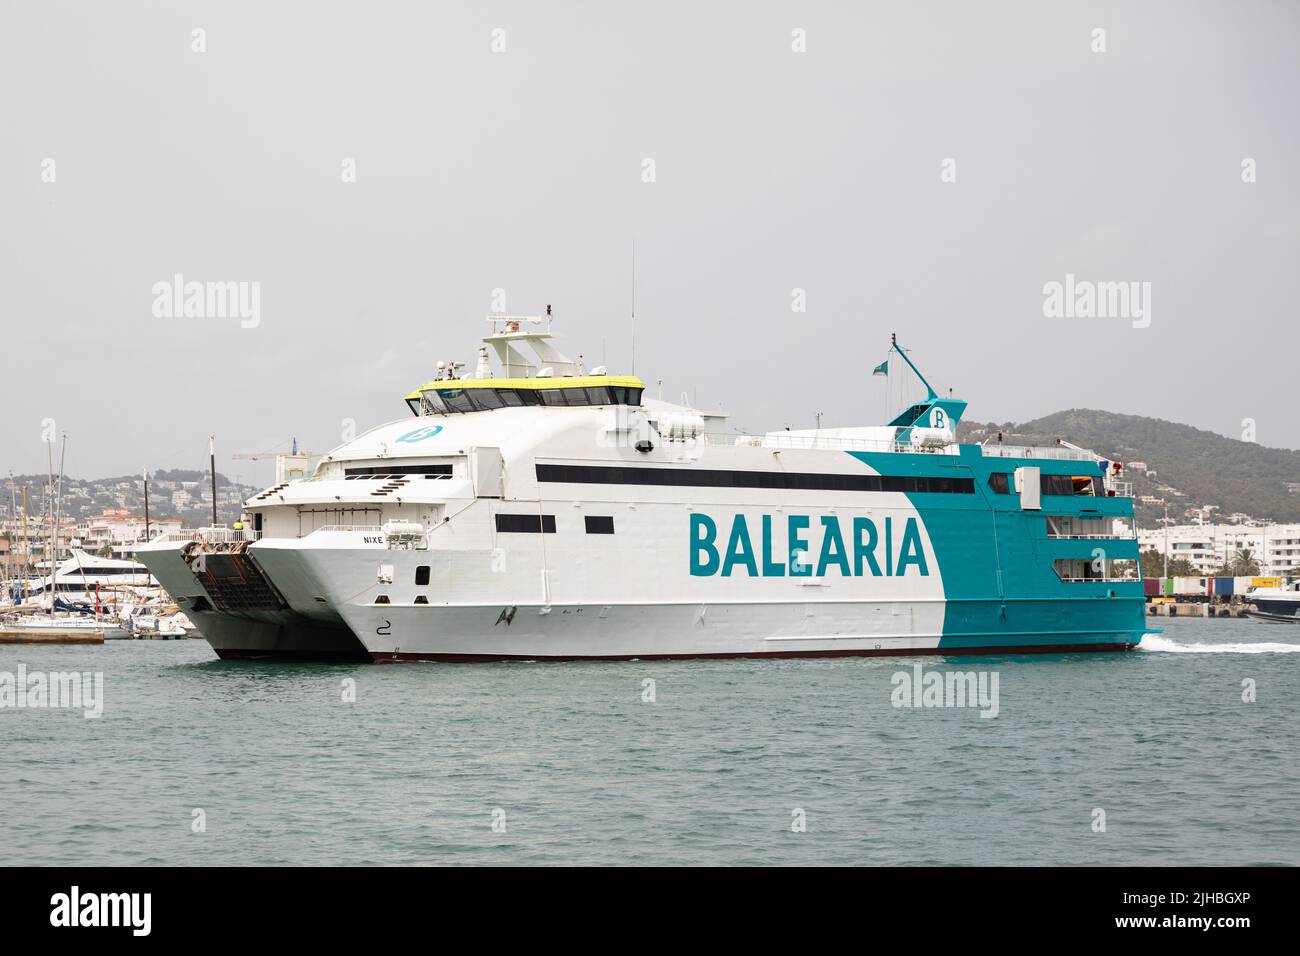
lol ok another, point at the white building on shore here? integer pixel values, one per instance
(118, 532)
(1276, 547)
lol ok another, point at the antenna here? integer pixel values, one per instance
(634, 305)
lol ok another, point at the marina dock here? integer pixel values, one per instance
(14, 636)
(1197, 609)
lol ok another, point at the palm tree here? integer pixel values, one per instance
(1244, 564)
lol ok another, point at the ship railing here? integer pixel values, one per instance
(1132, 536)
(1032, 451)
(1050, 452)
(815, 442)
(1097, 580)
(209, 535)
(359, 528)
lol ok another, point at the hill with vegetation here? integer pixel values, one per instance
(176, 493)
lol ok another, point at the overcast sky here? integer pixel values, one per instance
(525, 170)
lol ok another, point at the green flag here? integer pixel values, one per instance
(881, 369)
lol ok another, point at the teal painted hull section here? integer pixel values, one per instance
(997, 560)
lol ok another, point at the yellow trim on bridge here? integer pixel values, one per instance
(567, 381)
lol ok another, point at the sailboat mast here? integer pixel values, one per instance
(58, 495)
(27, 546)
(9, 534)
(49, 515)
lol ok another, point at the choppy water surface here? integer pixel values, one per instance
(582, 769)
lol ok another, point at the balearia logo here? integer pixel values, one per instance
(917, 688)
(420, 434)
(1084, 299)
(865, 549)
(179, 299)
(41, 690)
(103, 909)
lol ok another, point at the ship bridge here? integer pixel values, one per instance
(477, 395)
(549, 379)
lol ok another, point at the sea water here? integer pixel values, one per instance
(1183, 752)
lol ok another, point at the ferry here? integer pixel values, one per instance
(540, 511)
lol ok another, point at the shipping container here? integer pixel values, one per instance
(1168, 587)
(1223, 587)
(1189, 587)
(1151, 586)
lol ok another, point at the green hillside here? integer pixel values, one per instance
(1201, 467)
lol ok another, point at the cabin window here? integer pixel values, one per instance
(599, 524)
(1000, 482)
(422, 575)
(525, 524)
(382, 599)
(421, 599)
(1066, 485)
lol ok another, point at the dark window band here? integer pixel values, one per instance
(384, 470)
(526, 524)
(780, 480)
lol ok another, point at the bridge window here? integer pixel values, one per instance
(422, 575)
(446, 400)
(599, 524)
(1000, 482)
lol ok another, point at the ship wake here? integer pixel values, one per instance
(1159, 643)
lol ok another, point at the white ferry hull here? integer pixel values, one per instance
(282, 634)
(672, 631)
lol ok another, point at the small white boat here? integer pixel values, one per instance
(57, 628)
(52, 622)
(146, 623)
